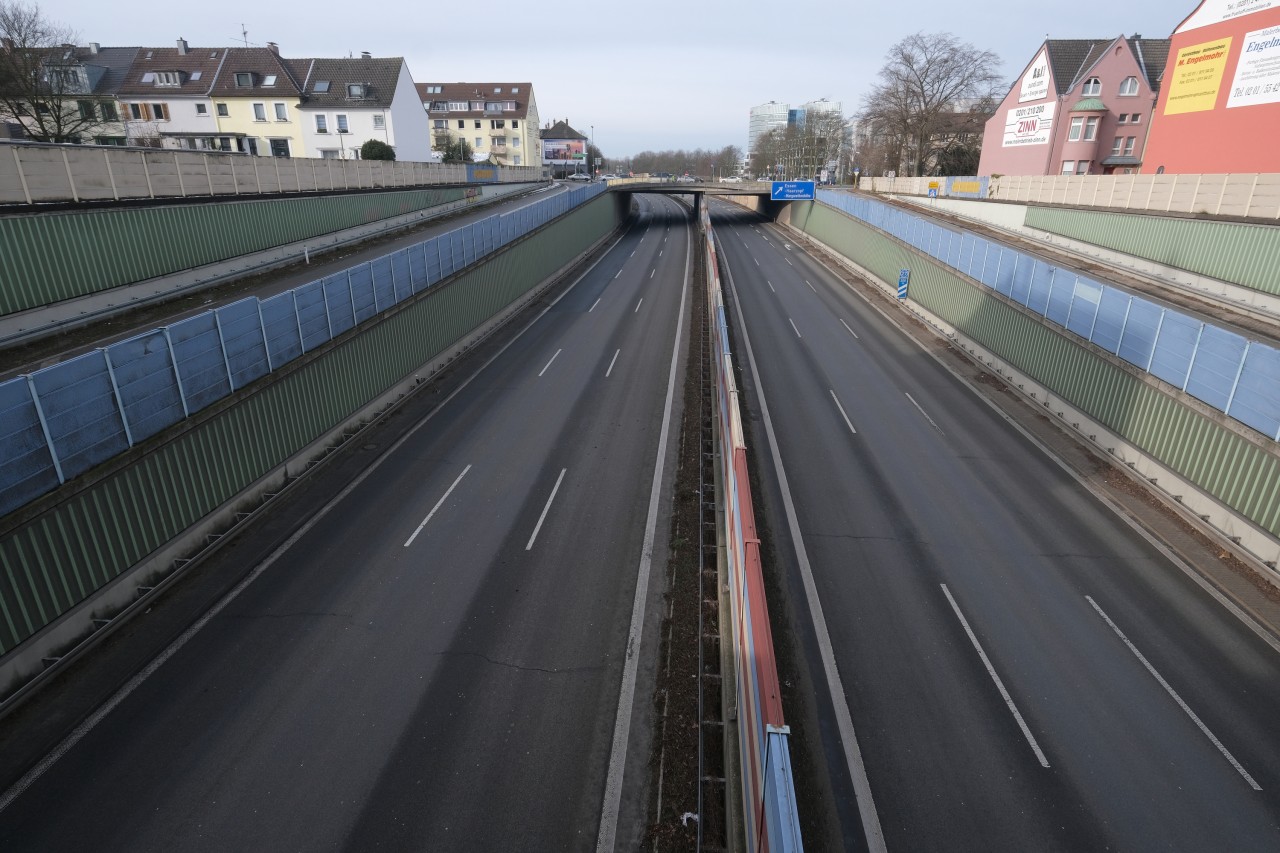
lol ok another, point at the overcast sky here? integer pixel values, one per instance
(651, 75)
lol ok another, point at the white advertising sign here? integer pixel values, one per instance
(1035, 83)
(1029, 125)
(1217, 11)
(1258, 71)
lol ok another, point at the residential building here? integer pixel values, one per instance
(164, 98)
(764, 118)
(499, 121)
(564, 149)
(346, 102)
(76, 101)
(1080, 107)
(1219, 107)
(255, 103)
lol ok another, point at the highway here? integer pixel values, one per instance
(448, 656)
(1018, 669)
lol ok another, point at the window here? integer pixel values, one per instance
(259, 112)
(479, 142)
(269, 80)
(160, 112)
(461, 124)
(1077, 125)
(515, 90)
(1068, 167)
(168, 78)
(1082, 167)
(279, 147)
(1128, 145)
(514, 124)
(1091, 128)
(1134, 118)
(379, 121)
(1129, 86)
(441, 124)
(196, 75)
(149, 77)
(86, 110)
(342, 124)
(355, 90)
(458, 106)
(328, 153)
(517, 160)
(322, 124)
(202, 109)
(515, 142)
(282, 112)
(110, 140)
(244, 80)
(1122, 118)
(477, 124)
(497, 124)
(321, 86)
(109, 112)
(1092, 86)
(1118, 145)
(222, 110)
(137, 112)
(497, 90)
(433, 90)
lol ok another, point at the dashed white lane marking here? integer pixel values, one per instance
(638, 304)
(923, 412)
(553, 358)
(848, 422)
(439, 503)
(611, 361)
(793, 327)
(593, 305)
(546, 509)
(851, 331)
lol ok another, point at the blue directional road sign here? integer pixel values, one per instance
(903, 277)
(792, 191)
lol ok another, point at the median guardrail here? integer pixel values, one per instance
(770, 816)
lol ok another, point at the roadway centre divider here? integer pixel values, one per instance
(61, 421)
(772, 822)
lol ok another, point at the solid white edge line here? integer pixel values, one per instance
(923, 412)
(79, 732)
(547, 508)
(850, 331)
(606, 838)
(842, 412)
(553, 358)
(611, 361)
(844, 720)
(638, 304)
(593, 305)
(991, 670)
(1181, 704)
(439, 503)
(793, 327)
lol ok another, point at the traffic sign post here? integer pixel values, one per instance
(792, 191)
(903, 277)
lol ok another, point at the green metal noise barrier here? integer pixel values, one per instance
(1237, 252)
(1241, 474)
(50, 257)
(86, 539)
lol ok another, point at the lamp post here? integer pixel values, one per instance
(591, 163)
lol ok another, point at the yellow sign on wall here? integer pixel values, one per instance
(1196, 77)
(966, 186)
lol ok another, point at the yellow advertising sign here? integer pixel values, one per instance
(966, 186)
(1197, 77)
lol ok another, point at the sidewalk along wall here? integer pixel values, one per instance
(63, 550)
(768, 790)
(60, 422)
(1015, 308)
(35, 173)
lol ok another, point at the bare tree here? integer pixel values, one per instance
(43, 84)
(926, 79)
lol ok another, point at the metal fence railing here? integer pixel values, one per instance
(769, 808)
(59, 422)
(1223, 369)
(35, 173)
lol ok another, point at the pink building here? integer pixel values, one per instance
(1081, 107)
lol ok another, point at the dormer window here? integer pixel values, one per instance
(515, 90)
(168, 78)
(497, 90)
(244, 80)
(355, 90)
(1092, 86)
(1129, 86)
(321, 87)
(269, 80)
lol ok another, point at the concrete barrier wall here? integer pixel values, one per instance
(65, 557)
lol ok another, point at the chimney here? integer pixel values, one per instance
(94, 47)
(273, 47)
(182, 47)
(364, 54)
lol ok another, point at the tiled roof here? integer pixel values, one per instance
(1068, 56)
(518, 92)
(114, 62)
(378, 75)
(1152, 55)
(561, 130)
(261, 62)
(201, 61)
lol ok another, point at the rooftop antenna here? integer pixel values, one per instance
(244, 35)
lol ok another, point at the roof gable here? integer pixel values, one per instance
(520, 93)
(262, 65)
(197, 70)
(327, 83)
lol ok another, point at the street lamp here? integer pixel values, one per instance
(591, 163)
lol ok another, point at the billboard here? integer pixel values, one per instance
(1258, 72)
(1196, 77)
(1029, 125)
(1220, 11)
(564, 152)
(1035, 83)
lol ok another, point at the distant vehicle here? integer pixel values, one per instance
(731, 179)
(686, 179)
(578, 176)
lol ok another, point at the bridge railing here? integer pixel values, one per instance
(36, 173)
(768, 791)
(61, 421)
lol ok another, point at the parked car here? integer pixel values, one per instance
(731, 179)
(686, 179)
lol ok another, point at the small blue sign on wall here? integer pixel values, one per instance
(903, 277)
